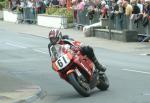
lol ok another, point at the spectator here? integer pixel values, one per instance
(42, 8)
(91, 3)
(74, 7)
(140, 5)
(20, 6)
(14, 6)
(29, 12)
(128, 8)
(127, 14)
(104, 10)
(97, 2)
(118, 9)
(80, 5)
(41, 5)
(74, 4)
(91, 10)
(47, 2)
(62, 3)
(136, 9)
(30, 4)
(68, 5)
(134, 15)
(146, 15)
(22, 3)
(37, 6)
(119, 14)
(55, 2)
(147, 8)
(9, 4)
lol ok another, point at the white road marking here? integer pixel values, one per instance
(136, 71)
(143, 54)
(36, 50)
(15, 45)
(146, 94)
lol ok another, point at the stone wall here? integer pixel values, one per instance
(125, 35)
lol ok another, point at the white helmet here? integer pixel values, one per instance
(55, 36)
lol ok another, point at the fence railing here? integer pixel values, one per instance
(118, 22)
(1, 14)
(82, 18)
(27, 15)
(124, 22)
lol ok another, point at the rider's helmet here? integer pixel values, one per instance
(55, 36)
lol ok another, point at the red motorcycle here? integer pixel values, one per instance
(78, 70)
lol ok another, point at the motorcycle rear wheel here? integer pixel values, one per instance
(77, 86)
(103, 82)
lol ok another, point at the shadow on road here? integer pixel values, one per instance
(74, 95)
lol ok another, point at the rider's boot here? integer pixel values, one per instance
(90, 54)
(98, 66)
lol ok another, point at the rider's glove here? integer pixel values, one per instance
(75, 48)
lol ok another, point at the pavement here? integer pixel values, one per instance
(14, 90)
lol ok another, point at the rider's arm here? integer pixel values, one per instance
(49, 45)
(67, 37)
(74, 45)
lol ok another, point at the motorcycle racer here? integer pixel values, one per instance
(56, 38)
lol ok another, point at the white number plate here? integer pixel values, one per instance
(62, 62)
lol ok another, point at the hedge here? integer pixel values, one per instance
(60, 12)
(2, 5)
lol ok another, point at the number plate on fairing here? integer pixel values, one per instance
(62, 62)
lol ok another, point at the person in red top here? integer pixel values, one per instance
(104, 10)
(55, 37)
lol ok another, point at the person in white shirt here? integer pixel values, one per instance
(29, 3)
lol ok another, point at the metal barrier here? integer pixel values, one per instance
(1, 14)
(124, 22)
(119, 22)
(82, 18)
(27, 15)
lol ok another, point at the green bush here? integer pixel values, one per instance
(60, 12)
(2, 0)
(2, 5)
(51, 10)
(69, 15)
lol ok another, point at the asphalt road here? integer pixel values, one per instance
(26, 57)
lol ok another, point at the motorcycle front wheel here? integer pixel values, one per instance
(80, 86)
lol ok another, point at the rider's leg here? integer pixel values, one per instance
(87, 50)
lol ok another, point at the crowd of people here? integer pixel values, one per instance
(38, 5)
(124, 14)
(135, 10)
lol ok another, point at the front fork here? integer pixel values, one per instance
(77, 72)
(80, 78)
(92, 83)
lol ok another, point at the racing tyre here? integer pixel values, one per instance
(78, 86)
(103, 82)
